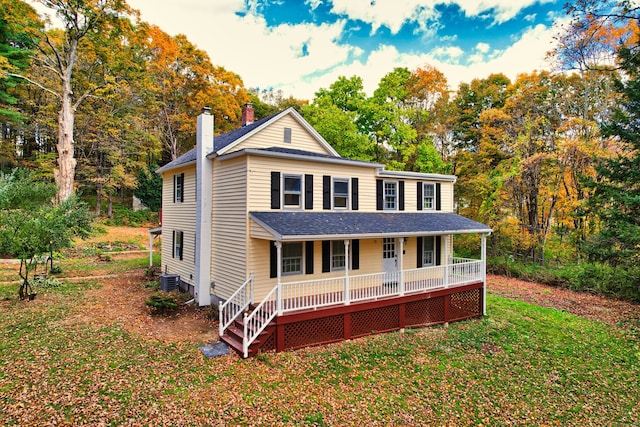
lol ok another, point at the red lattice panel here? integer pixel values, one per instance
(425, 312)
(269, 344)
(465, 304)
(375, 320)
(315, 331)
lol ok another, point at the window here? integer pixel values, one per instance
(428, 196)
(338, 257)
(427, 251)
(292, 258)
(177, 244)
(340, 193)
(390, 195)
(292, 191)
(178, 188)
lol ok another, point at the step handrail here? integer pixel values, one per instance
(257, 321)
(237, 303)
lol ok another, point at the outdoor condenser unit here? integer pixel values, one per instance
(169, 282)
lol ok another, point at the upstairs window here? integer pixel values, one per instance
(292, 258)
(292, 191)
(178, 188)
(340, 193)
(429, 195)
(390, 195)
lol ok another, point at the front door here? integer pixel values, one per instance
(389, 261)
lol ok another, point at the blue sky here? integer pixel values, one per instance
(303, 45)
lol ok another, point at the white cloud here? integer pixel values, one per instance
(531, 17)
(503, 10)
(271, 56)
(392, 14)
(483, 47)
(314, 4)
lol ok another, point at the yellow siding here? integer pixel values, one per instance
(229, 226)
(179, 217)
(259, 184)
(273, 136)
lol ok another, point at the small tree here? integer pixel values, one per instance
(31, 224)
(149, 188)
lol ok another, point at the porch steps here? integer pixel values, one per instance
(233, 336)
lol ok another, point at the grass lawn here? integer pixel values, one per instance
(521, 365)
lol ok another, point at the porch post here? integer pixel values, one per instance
(483, 257)
(150, 250)
(279, 277)
(347, 292)
(401, 269)
(447, 265)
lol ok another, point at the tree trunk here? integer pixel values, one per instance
(110, 206)
(66, 171)
(98, 197)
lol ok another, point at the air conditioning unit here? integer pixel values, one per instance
(169, 282)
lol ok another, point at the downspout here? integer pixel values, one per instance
(204, 196)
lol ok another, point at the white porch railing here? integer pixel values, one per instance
(258, 320)
(314, 294)
(232, 308)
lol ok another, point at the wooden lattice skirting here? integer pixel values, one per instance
(323, 326)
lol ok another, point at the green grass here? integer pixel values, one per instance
(521, 365)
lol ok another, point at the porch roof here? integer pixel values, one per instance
(341, 225)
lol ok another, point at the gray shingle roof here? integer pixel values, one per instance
(219, 142)
(290, 225)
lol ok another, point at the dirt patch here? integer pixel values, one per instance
(121, 300)
(611, 311)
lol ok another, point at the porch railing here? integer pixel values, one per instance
(232, 308)
(314, 294)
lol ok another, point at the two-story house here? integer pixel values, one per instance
(299, 246)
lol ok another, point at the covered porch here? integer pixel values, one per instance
(389, 260)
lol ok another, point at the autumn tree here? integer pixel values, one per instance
(58, 53)
(470, 100)
(617, 190)
(181, 81)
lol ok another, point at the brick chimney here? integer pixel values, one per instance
(247, 114)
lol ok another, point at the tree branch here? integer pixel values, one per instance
(33, 82)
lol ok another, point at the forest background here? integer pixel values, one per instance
(549, 161)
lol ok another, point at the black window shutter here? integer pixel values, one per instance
(354, 194)
(275, 190)
(326, 256)
(419, 257)
(273, 260)
(173, 241)
(355, 254)
(420, 202)
(181, 244)
(308, 260)
(401, 195)
(438, 249)
(326, 192)
(175, 178)
(438, 197)
(308, 191)
(181, 189)
(379, 190)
